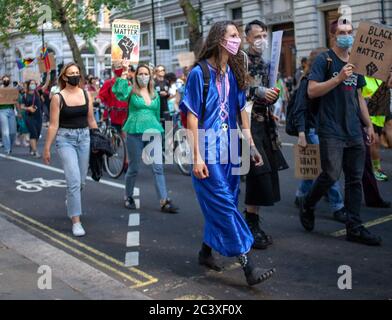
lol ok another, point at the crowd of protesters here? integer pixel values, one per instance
(346, 114)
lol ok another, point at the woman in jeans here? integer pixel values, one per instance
(143, 118)
(71, 116)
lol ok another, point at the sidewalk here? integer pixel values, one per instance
(21, 254)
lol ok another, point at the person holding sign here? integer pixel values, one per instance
(340, 111)
(262, 183)
(143, 118)
(7, 119)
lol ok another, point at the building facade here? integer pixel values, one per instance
(96, 54)
(305, 23)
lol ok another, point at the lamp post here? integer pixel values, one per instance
(153, 32)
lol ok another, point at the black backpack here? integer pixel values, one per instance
(291, 128)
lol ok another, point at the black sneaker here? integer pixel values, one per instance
(169, 207)
(306, 215)
(130, 203)
(362, 235)
(209, 262)
(340, 215)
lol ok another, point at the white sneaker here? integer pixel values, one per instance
(78, 230)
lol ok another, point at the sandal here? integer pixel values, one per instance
(168, 207)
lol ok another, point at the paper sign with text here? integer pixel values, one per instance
(275, 57)
(372, 50)
(307, 162)
(41, 63)
(186, 59)
(125, 40)
(9, 95)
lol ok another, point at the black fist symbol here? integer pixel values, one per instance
(126, 45)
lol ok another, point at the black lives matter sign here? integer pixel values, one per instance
(372, 50)
(307, 162)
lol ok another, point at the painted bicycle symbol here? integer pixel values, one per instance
(38, 184)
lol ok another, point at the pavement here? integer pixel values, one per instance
(148, 254)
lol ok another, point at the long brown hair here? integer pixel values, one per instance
(212, 48)
(136, 87)
(62, 82)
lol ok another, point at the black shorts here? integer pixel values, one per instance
(377, 129)
(34, 125)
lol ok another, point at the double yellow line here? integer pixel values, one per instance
(143, 279)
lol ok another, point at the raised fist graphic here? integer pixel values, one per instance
(126, 45)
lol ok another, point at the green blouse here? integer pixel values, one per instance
(141, 117)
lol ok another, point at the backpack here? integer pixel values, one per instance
(291, 128)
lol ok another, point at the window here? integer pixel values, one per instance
(107, 72)
(236, 14)
(180, 35)
(88, 56)
(145, 47)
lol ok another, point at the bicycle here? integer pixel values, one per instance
(116, 164)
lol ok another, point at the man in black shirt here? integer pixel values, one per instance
(162, 86)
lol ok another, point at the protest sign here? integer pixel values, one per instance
(30, 74)
(9, 95)
(371, 53)
(275, 57)
(307, 162)
(186, 59)
(125, 41)
(41, 63)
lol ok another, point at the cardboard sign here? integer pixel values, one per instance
(126, 40)
(275, 57)
(41, 64)
(186, 59)
(371, 53)
(307, 162)
(30, 74)
(9, 95)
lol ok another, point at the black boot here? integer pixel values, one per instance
(207, 259)
(261, 239)
(254, 275)
(362, 235)
(306, 215)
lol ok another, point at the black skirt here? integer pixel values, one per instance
(262, 183)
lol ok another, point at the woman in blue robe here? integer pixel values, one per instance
(215, 174)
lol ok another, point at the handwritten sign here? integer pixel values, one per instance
(371, 53)
(186, 59)
(307, 162)
(30, 74)
(125, 40)
(9, 95)
(52, 60)
(275, 57)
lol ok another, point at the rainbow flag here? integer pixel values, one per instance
(22, 63)
(45, 57)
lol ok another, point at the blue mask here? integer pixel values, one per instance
(345, 42)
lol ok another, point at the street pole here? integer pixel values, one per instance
(383, 12)
(153, 32)
(201, 18)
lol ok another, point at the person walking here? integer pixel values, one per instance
(143, 118)
(215, 184)
(71, 116)
(7, 121)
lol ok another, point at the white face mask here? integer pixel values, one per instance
(143, 80)
(260, 45)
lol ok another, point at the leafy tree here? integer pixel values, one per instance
(192, 17)
(73, 17)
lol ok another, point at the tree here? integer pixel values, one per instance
(193, 19)
(73, 17)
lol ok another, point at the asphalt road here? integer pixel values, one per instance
(307, 264)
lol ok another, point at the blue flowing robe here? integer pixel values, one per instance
(225, 229)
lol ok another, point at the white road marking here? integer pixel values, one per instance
(134, 220)
(133, 238)
(132, 259)
(136, 191)
(285, 144)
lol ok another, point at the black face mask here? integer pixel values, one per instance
(6, 83)
(73, 80)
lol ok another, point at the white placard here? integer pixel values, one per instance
(275, 57)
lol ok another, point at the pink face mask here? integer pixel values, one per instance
(232, 45)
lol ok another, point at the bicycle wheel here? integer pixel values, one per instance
(183, 155)
(115, 165)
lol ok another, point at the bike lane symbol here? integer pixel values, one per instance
(38, 184)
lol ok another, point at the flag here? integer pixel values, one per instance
(45, 58)
(22, 63)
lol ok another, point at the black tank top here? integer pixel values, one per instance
(74, 117)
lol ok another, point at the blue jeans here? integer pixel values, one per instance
(135, 146)
(335, 196)
(8, 128)
(73, 147)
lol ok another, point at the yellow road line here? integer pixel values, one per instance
(82, 245)
(367, 225)
(80, 253)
